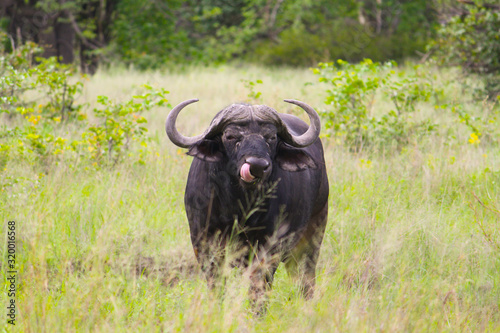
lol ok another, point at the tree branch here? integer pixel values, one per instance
(485, 6)
(274, 13)
(79, 32)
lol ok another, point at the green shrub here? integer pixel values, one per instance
(483, 126)
(338, 40)
(39, 100)
(37, 95)
(32, 85)
(472, 42)
(107, 142)
(350, 98)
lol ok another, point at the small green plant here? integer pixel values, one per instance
(119, 124)
(15, 75)
(253, 95)
(351, 97)
(481, 126)
(38, 97)
(486, 216)
(58, 90)
(43, 87)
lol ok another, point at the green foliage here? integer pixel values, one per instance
(473, 42)
(326, 30)
(482, 126)
(352, 89)
(292, 32)
(15, 72)
(338, 40)
(54, 83)
(40, 102)
(119, 124)
(147, 35)
(23, 83)
(38, 98)
(253, 96)
(296, 47)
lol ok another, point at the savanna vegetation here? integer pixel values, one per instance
(96, 189)
(153, 34)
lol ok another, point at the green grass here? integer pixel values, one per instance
(109, 250)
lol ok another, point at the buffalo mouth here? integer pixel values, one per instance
(245, 174)
(254, 170)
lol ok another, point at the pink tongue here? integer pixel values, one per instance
(245, 173)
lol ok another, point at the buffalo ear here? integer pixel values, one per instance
(206, 150)
(294, 159)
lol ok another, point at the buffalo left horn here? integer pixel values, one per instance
(312, 133)
(174, 135)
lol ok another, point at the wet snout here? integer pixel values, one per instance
(258, 166)
(254, 168)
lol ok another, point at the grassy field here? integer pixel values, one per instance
(407, 247)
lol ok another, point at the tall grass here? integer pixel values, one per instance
(109, 250)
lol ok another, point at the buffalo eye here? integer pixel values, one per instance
(231, 137)
(270, 140)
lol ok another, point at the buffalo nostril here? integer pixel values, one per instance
(258, 166)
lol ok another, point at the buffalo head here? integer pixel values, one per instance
(252, 138)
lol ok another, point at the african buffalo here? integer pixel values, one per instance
(258, 178)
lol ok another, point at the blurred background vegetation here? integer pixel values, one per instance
(159, 33)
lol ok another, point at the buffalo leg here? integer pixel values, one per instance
(301, 263)
(210, 256)
(262, 272)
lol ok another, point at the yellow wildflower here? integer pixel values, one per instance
(474, 139)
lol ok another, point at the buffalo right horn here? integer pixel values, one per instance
(312, 133)
(174, 135)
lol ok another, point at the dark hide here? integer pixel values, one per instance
(288, 203)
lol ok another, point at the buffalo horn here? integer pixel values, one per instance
(174, 136)
(312, 133)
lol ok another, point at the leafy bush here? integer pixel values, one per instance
(39, 99)
(146, 35)
(338, 40)
(23, 83)
(472, 42)
(482, 126)
(351, 96)
(119, 125)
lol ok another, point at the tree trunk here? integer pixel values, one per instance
(361, 14)
(65, 40)
(47, 40)
(378, 17)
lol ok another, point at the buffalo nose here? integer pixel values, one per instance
(258, 166)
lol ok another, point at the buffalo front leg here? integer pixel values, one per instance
(208, 241)
(210, 256)
(302, 260)
(262, 272)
